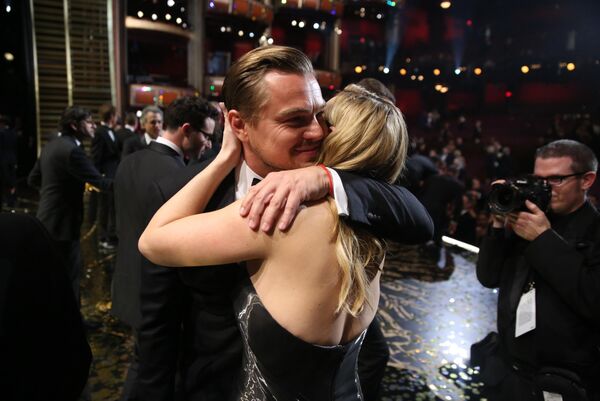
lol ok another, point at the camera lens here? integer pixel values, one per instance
(502, 199)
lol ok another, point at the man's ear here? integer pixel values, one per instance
(238, 125)
(187, 130)
(74, 126)
(588, 180)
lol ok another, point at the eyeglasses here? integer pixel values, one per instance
(558, 180)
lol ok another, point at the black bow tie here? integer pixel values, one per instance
(255, 181)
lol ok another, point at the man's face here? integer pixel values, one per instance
(570, 194)
(153, 124)
(86, 128)
(198, 142)
(287, 134)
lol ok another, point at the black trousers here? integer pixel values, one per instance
(71, 251)
(372, 361)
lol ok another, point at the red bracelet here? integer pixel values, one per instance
(329, 177)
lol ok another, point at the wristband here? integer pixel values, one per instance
(329, 177)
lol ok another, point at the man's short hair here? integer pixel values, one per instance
(72, 115)
(107, 112)
(377, 87)
(188, 109)
(150, 109)
(582, 156)
(130, 119)
(243, 88)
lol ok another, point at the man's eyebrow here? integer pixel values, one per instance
(299, 110)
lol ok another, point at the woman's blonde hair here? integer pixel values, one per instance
(370, 138)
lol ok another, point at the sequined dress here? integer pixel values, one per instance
(279, 366)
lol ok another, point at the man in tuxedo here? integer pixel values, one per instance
(105, 152)
(152, 123)
(185, 120)
(127, 131)
(61, 172)
(188, 312)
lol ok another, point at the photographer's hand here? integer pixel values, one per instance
(529, 225)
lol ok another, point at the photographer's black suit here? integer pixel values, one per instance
(199, 299)
(564, 264)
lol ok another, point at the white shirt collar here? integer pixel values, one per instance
(77, 141)
(170, 144)
(147, 138)
(243, 179)
(129, 127)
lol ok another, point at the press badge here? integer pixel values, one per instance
(525, 313)
(548, 396)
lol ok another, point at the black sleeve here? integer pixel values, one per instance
(82, 168)
(491, 257)
(97, 149)
(388, 211)
(34, 179)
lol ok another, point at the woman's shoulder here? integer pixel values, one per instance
(315, 215)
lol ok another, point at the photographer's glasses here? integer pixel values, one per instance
(558, 180)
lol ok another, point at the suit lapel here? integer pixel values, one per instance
(164, 149)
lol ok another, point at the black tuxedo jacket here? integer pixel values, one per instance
(44, 355)
(61, 172)
(122, 135)
(133, 144)
(133, 178)
(105, 151)
(200, 298)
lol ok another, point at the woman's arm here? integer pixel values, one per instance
(179, 234)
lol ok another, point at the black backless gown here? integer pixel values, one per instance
(279, 366)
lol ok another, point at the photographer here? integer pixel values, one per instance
(547, 267)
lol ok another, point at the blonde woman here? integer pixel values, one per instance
(310, 292)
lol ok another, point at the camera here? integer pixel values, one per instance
(510, 196)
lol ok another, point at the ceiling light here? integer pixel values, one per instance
(445, 5)
(154, 17)
(170, 3)
(9, 56)
(140, 14)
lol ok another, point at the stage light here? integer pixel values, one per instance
(223, 29)
(386, 70)
(240, 33)
(184, 25)
(469, 22)
(391, 3)
(154, 17)
(524, 69)
(570, 66)
(294, 22)
(477, 71)
(270, 41)
(436, 71)
(251, 34)
(379, 16)
(9, 56)
(316, 25)
(138, 114)
(211, 4)
(444, 89)
(168, 17)
(508, 94)
(283, 1)
(420, 77)
(8, 9)
(140, 14)
(402, 71)
(358, 69)
(445, 5)
(438, 87)
(338, 31)
(413, 77)
(457, 71)
(212, 88)
(170, 3)
(178, 20)
(301, 24)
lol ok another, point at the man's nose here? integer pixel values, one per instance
(314, 132)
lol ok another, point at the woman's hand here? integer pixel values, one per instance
(231, 149)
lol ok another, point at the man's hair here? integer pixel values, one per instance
(582, 156)
(377, 87)
(188, 109)
(130, 119)
(72, 115)
(150, 109)
(106, 112)
(243, 87)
